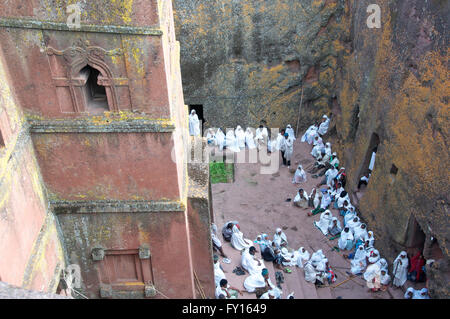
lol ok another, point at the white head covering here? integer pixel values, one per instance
(409, 290)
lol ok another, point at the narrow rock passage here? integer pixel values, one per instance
(258, 202)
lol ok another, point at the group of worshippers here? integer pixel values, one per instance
(354, 235)
(277, 251)
(237, 140)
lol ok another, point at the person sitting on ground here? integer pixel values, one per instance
(299, 176)
(217, 245)
(219, 273)
(280, 239)
(237, 239)
(323, 128)
(311, 274)
(268, 254)
(339, 204)
(227, 230)
(331, 276)
(330, 174)
(349, 219)
(346, 240)
(260, 283)
(409, 294)
(324, 203)
(372, 275)
(385, 279)
(364, 180)
(359, 262)
(302, 256)
(415, 272)
(334, 229)
(360, 233)
(314, 198)
(400, 267)
(317, 149)
(264, 242)
(310, 134)
(268, 295)
(341, 177)
(225, 289)
(279, 259)
(335, 194)
(250, 263)
(354, 224)
(301, 199)
(421, 294)
(325, 221)
(383, 264)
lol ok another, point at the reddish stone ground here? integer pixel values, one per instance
(258, 202)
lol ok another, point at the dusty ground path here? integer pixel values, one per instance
(258, 202)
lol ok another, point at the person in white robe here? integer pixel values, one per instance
(334, 229)
(325, 221)
(280, 238)
(314, 198)
(261, 136)
(217, 244)
(237, 239)
(421, 294)
(249, 139)
(330, 174)
(318, 141)
(220, 139)
(409, 294)
(372, 161)
(360, 233)
(354, 224)
(231, 142)
(301, 199)
(310, 134)
(280, 140)
(310, 272)
(299, 176)
(250, 263)
(289, 257)
(358, 263)
(211, 137)
(240, 136)
(349, 216)
(289, 145)
(268, 295)
(371, 238)
(346, 241)
(400, 268)
(385, 279)
(261, 280)
(218, 271)
(290, 131)
(228, 291)
(372, 276)
(317, 150)
(194, 124)
(301, 256)
(383, 264)
(328, 149)
(323, 128)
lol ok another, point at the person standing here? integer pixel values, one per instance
(400, 269)
(289, 144)
(194, 124)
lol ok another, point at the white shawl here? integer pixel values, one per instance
(237, 239)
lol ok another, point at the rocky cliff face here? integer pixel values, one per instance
(247, 61)
(393, 89)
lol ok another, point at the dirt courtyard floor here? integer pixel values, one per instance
(258, 202)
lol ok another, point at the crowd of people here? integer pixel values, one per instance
(353, 237)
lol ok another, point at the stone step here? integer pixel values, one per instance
(309, 289)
